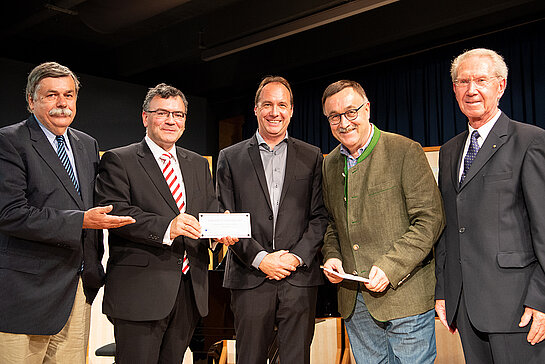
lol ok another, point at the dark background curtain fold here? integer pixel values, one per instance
(413, 96)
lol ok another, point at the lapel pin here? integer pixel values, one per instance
(494, 146)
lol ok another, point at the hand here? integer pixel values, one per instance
(274, 267)
(290, 259)
(378, 281)
(335, 265)
(226, 240)
(98, 218)
(186, 225)
(442, 314)
(537, 330)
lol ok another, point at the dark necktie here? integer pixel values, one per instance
(63, 156)
(471, 154)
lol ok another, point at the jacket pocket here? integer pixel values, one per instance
(20, 263)
(137, 260)
(519, 259)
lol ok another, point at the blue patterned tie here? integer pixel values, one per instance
(63, 156)
(471, 154)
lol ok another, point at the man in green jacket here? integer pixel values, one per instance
(385, 214)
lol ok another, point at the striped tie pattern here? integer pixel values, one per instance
(471, 154)
(63, 156)
(176, 190)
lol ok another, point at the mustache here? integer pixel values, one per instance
(60, 112)
(347, 129)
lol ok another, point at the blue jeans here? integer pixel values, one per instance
(408, 340)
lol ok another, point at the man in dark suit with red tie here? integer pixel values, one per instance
(273, 276)
(50, 248)
(156, 277)
(490, 259)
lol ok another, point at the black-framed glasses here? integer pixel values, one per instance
(350, 115)
(165, 114)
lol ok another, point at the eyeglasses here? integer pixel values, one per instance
(480, 82)
(164, 114)
(350, 115)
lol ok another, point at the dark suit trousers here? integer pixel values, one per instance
(498, 348)
(258, 310)
(164, 341)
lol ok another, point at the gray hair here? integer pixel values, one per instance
(164, 91)
(44, 70)
(500, 68)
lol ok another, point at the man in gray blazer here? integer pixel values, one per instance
(50, 269)
(273, 276)
(490, 259)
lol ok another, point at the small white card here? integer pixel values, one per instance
(346, 276)
(218, 225)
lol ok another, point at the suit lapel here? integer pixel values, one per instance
(291, 161)
(255, 157)
(495, 139)
(188, 176)
(456, 162)
(81, 159)
(149, 164)
(50, 157)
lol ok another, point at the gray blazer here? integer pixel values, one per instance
(494, 240)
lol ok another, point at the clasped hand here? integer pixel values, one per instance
(278, 265)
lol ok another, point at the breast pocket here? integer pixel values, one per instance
(381, 188)
(498, 177)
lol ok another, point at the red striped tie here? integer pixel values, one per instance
(176, 190)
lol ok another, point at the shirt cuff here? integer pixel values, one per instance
(258, 258)
(299, 259)
(166, 238)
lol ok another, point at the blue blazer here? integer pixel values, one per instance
(42, 244)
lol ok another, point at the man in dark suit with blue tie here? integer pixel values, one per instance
(490, 259)
(50, 252)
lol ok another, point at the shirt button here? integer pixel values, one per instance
(355, 273)
(461, 230)
(356, 247)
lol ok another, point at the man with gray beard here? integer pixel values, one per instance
(50, 247)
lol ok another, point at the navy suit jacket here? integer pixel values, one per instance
(42, 243)
(493, 246)
(143, 274)
(301, 221)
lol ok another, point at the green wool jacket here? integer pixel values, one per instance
(392, 217)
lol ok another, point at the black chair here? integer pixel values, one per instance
(106, 350)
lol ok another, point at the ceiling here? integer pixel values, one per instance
(222, 48)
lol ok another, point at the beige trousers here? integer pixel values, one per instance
(69, 346)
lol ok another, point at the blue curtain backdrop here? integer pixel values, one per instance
(413, 95)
